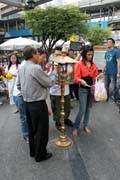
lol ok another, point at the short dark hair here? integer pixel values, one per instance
(42, 51)
(85, 51)
(71, 50)
(111, 39)
(58, 48)
(28, 52)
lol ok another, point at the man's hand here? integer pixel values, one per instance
(48, 67)
(118, 75)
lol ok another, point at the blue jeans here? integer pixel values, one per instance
(112, 79)
(84, 108)
(23, 120)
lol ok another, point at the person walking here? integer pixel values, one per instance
(33, 83)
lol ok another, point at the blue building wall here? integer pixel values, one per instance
(102, 24)
(17, 33)
(27, 32)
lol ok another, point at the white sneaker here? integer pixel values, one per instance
(1, 103)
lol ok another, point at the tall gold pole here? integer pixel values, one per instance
(63, 141)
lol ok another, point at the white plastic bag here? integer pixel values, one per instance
(100, 91)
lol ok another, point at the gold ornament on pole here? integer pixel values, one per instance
(63, 141)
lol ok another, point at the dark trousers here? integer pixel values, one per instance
(37, 117)
(56, 107)
(74, 91)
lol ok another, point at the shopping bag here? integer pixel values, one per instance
(100, 93)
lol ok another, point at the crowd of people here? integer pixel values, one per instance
(30, 83)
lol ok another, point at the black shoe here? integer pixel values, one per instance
(26, 139)
(47, 156)
(68, 122)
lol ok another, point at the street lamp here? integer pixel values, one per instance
(31, 4)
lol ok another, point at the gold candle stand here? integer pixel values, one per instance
(63, 141)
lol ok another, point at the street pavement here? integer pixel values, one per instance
(91, 157)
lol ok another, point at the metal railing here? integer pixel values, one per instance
(87, 3)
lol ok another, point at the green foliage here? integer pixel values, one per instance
(55, 23)
(97, 35)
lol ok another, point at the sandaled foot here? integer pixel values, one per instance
(75, 132)
(87, 130)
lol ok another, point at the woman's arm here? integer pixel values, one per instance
(83, 82)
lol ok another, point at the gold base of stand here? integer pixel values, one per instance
(63, 142)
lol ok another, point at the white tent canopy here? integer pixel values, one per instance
(18, 43)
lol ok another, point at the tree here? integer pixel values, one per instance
(97, 35)
(55, 23)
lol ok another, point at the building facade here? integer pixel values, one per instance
(11, 25)
(102, 12)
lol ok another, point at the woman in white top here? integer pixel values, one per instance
(13, 70)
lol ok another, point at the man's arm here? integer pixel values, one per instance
(43, 79)
(18, 82)
(118, 66)
(104, 67)
(118, 62)
(105, 63)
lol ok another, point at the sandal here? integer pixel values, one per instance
(87, 130)
(75, 132)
